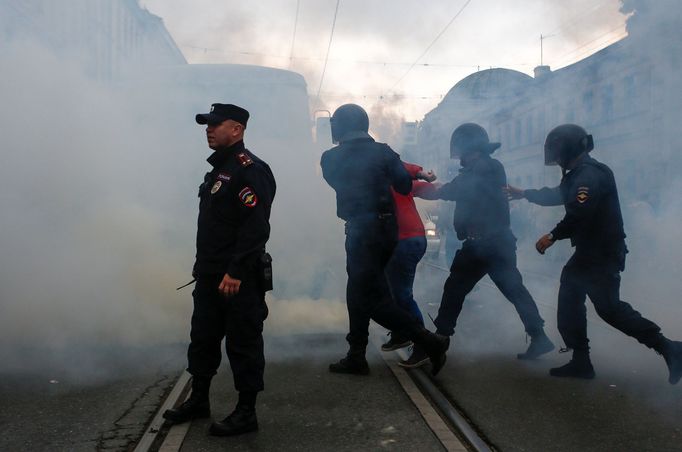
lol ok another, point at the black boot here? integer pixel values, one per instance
(434, 345)
(396, 342)
(417, 359)
(539, 345)
(196, 407)
(241, 420)
(579, 366)
(672, 353)
(354, 363)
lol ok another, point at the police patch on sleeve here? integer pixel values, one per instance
(583, 194)
(248, 197)
(216, 187)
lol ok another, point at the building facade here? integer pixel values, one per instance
(628, 96)
(107, 37)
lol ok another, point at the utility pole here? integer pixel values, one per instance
(542, 38)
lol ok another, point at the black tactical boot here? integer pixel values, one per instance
(672, 353)
(242, 420)
(417, 359)
(579, 366)
(196, 407)
(354, 363)
(434, 346)
(539, 345)
(396, 342)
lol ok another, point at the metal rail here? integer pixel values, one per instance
(446, 409)
(152, 432)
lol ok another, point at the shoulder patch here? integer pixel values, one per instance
(583, 194)
(244, 159)
(248, 197)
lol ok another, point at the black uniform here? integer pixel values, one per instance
(481, 220)
(594, 223)
(233, 228)
(362, 173)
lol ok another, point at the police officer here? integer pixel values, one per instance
(481, 220)
(231, 270)
(594, 224)
(362, 172)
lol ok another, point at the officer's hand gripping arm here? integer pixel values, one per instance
(543, 197)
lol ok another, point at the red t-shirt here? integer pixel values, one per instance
(409, 222)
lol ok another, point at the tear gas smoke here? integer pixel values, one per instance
(98, 188)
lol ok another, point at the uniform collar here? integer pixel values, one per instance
(220, 156)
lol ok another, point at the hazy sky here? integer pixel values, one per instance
(375, 42)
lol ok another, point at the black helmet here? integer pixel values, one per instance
(469, 138)
(348, 122)
(566, 142)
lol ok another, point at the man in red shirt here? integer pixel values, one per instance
(411, 247)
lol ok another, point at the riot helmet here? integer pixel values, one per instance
(349, 122)
(566, 142)
(468, 138)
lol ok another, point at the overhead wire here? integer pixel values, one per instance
(431, 44)
(582, 46)
(340, 60)
(326, 58)
(293, 38)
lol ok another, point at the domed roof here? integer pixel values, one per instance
(490, 84)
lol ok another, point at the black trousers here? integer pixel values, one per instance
(369, 246)
(601, 281)
(495, 257)
(238, 319)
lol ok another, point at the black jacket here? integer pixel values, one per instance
(362, 173)
(234, 212)
(593, 219)
(481, 209)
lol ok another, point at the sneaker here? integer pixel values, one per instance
(417, 359)
(350, 365)
(539, 345)
(395, 342)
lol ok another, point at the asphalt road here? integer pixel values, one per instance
(101, 398)
(518, 407)
(306, 408)
(91, 399)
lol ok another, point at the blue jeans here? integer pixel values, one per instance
(400, 273)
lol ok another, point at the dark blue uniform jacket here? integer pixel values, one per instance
(481, 209)
(234, 212)
(593, 219)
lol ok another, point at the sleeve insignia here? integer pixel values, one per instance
(248, 197)
(583, 194)
(216, 187)
(244, 159)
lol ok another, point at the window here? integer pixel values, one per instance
(588, 105)
(607, 103)
(630, 93)
(529, 129)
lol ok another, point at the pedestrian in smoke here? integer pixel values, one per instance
(594, 224)
(232, 272)
(481, 220)
(411, 247)
(362, 173)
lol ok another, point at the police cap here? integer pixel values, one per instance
(223, 112)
